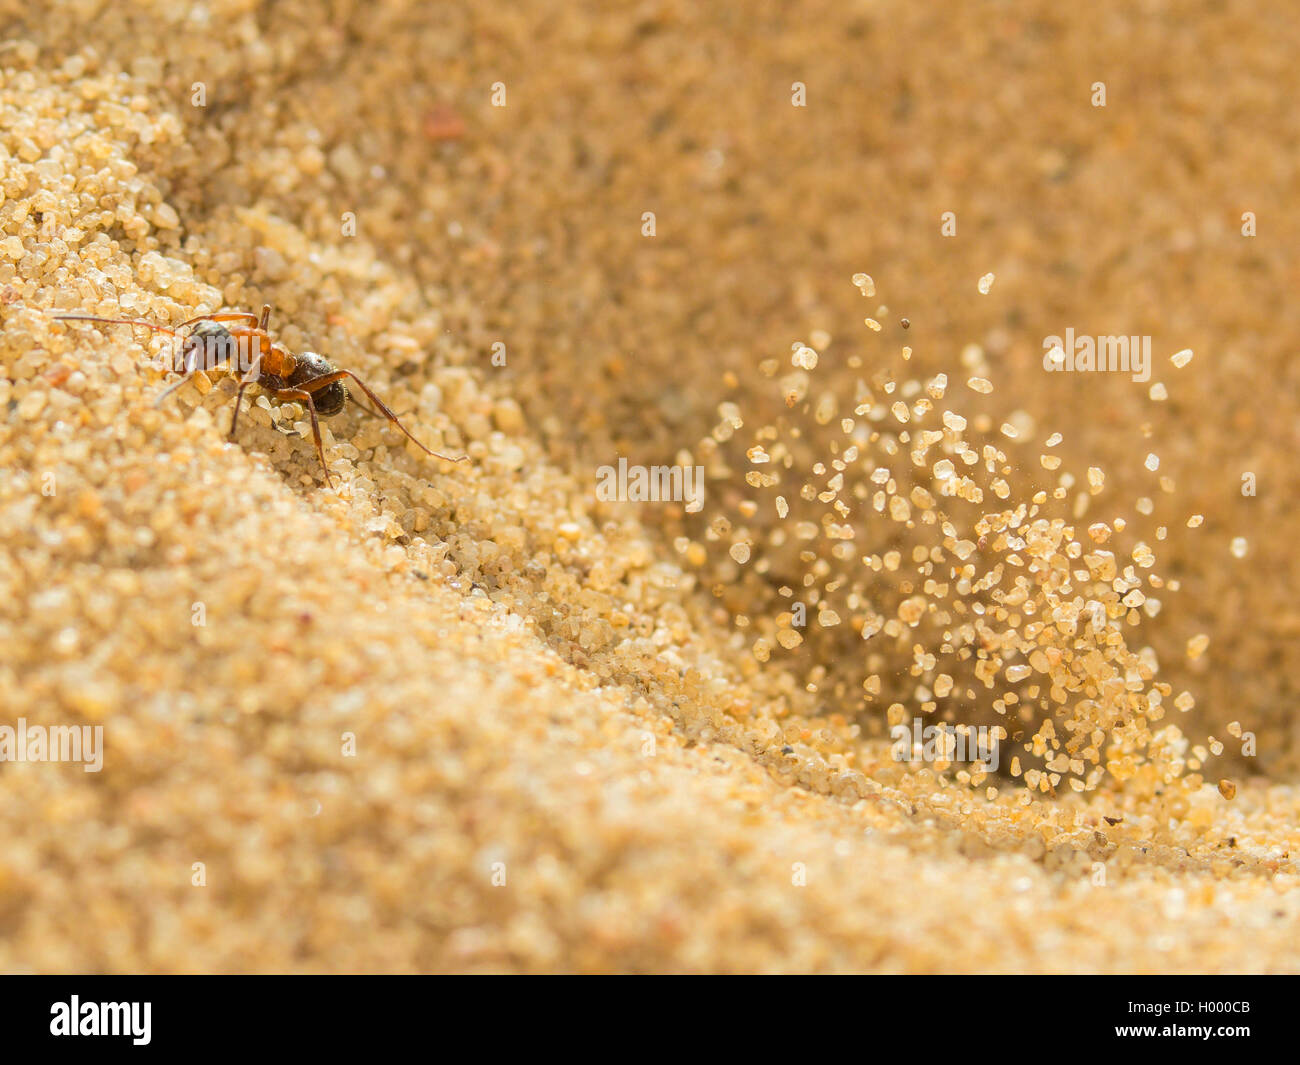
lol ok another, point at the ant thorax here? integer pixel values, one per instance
(277, 361)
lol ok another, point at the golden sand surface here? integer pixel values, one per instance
(469, 716)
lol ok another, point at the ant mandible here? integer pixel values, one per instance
(307, 378)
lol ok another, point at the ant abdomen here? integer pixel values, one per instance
(329, 400)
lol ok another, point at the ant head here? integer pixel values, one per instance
(207, 345)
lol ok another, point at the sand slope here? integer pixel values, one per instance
(465, 716)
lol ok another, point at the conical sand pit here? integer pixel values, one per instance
(485, 717)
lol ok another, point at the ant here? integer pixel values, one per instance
(307, 378)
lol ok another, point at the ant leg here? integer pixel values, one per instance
(266, 317)
(189, 372)
(364, 409)
(303, 396)
(254, 371)
(239, 400)
(338, 375)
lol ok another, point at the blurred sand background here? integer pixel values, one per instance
(538, 691)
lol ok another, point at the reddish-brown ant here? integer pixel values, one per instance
(308, 378)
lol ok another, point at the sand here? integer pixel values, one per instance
(469, 717)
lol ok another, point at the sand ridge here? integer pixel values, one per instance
(455, 717)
